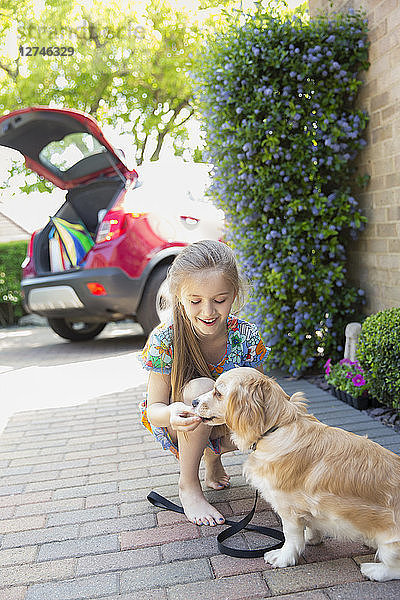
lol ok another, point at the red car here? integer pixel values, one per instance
(129, 234)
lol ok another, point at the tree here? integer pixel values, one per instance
(124, 66)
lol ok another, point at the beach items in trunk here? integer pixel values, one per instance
(68, 244)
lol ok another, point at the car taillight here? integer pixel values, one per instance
(112, 226)
(29, 252)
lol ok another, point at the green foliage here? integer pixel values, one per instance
(128, 68)
(378, 351)
(277, 94)
(347, 376)
(11, 256)
(29, 181)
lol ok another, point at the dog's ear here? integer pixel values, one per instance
(246, 411)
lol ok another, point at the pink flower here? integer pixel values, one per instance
(357, 365)
(345, 361)
(327, 366)
(358, 380)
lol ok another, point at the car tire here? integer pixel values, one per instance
(154, 304)
(76, 332)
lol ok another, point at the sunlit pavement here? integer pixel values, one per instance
(76, 466)
(38, 369)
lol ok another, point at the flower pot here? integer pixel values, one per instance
(343, 396)
(350, 399)
(360, 403)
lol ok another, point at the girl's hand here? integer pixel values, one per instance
(182, 417)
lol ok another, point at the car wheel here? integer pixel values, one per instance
(76, 331)
(155, 302)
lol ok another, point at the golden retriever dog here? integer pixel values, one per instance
(321, 480)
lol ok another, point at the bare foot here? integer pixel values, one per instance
(215, 477)
(197, 509)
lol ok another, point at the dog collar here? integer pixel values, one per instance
(271, 430)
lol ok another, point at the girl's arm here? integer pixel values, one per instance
(158, 391)
(160, 412)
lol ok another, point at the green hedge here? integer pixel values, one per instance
(11, 256)
(378, 352)
(277, 95)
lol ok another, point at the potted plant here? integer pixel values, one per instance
(349, 382)
(355, 384)
(335, 377)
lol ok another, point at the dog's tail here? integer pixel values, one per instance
(300, 401)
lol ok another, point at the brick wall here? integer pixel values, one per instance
(374, 260)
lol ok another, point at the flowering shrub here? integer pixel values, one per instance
(277, 95)
(378, 351)
(11, 257)
(347, 376)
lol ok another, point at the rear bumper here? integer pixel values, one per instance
(66, 294)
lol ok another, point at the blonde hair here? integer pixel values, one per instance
(189, 361)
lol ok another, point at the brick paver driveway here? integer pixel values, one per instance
(74, 520)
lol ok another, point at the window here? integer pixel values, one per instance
(64, 154)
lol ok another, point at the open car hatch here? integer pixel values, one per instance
(67, 147)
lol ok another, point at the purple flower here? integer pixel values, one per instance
(358, 380)
(345, 361)
(357, 365)
(327, 366)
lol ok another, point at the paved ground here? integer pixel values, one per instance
(74, 520)
(40, 370)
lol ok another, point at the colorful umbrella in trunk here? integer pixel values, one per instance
(75, 239)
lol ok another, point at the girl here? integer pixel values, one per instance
(185, 356)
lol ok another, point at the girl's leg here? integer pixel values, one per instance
(191, 449)
(216, 477)
(196, 507)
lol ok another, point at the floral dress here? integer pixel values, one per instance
(244, 348)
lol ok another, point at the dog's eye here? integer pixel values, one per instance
(217, 394)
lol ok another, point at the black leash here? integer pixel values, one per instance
(234, 527)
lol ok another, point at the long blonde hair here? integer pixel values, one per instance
(189, 361)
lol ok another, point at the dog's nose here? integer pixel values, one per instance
(195, 402)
